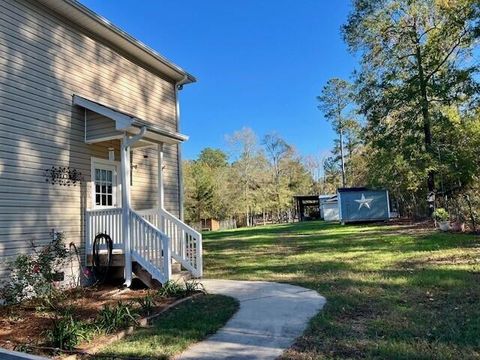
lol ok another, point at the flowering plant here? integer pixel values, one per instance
(33, 275)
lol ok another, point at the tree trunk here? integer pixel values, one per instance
(472, 216)
(342, 158)
(426, 120)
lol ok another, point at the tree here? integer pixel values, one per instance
(277, 151)
(248, 160)
(334, 101)
(415, 59)
(206, 183)
(199, 191)
(214, 158)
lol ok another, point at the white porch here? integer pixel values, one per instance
(156, 238)
(152, 238)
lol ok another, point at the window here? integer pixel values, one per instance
(104, 181)
(103, 187)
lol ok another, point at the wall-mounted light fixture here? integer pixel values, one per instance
(111, 154)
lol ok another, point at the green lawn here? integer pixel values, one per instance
(173, 332)
(392, 292)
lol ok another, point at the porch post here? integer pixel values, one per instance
(125, 174)
(160, 190)
(178, 86)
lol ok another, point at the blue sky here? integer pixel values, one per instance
(259, 64)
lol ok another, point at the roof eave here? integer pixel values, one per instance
(98, 25)
(130, 123)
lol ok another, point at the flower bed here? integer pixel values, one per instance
(82, 316)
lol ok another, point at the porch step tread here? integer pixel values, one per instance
(176, 268)
(181, 276)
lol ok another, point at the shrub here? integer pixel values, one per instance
(33, 276)
(171, 289)
(66, 332)
(193, 286)
(147, 304)
(116, 317)
(441, 215)
(174, 289)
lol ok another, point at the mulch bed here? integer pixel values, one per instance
(25, 324)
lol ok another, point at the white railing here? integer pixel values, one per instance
(108, 221)
(150, 248)
(186, 243)
(156, 236)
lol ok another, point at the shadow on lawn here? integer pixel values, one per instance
(385, 298)
(321, 236)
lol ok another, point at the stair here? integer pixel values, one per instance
(181, 276)
(145, 276)
(157, 239)
(178, 275)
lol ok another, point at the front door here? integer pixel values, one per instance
(105, 184)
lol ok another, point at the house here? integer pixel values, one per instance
(362, 204)
(90, 139)
(329, 207)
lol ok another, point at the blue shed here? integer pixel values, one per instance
(363, 204)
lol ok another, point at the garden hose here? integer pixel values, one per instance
(100, 270)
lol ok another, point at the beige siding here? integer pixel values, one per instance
(98, 126)
(43, 61)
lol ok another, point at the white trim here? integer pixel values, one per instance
(339, 200)
(179, 156)
(160, 182)
(388, 204)
(85, 123)
(103, 138)
(118, 186)
(125, 171)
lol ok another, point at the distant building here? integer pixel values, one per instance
(329, 207)
(210, 225)
(307, 207)
(363, 204)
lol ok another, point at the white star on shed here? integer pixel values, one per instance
(364, 202)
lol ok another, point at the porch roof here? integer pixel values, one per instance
(125, 122)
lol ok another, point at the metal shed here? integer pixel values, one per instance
(329, 207)
(363, 204)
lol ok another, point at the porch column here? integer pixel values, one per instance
(125, 175)
(160, 190)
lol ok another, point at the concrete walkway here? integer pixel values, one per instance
(270, 318)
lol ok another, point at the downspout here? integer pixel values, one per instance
(126, 200)
(179, 86)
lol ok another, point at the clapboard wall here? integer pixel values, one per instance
(43, 61)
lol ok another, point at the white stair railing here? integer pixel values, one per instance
(186, 243)
(150, 248)
(108, 221)
(156, 236)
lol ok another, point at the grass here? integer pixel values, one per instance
(187, 323)
(393, 292)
